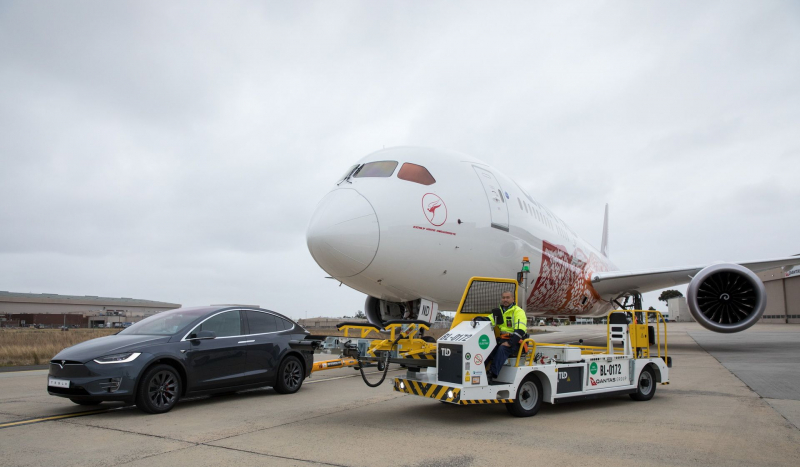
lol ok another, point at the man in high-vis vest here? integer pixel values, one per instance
(512, 322)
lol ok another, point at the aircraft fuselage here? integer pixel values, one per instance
(400, 240)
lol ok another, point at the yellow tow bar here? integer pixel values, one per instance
(332, 364)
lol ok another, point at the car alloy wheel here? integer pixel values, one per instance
(292, 374)
(161, 389)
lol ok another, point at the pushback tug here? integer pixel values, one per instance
(452, 369)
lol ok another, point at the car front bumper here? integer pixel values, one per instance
(94, 381)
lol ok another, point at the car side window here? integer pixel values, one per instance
(262, 322)
(286, 324)
(224, 324)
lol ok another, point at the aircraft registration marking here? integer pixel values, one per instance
(433, 230)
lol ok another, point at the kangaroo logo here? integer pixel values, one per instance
(434, 209)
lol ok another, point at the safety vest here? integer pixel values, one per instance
(514, 318)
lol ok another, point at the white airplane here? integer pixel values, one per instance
(410, 225)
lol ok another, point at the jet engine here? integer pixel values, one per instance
(726, 298)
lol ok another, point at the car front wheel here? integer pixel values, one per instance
(290, 375)
(159, 389)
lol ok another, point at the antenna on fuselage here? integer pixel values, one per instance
(604, 243)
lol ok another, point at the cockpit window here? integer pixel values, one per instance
(376, 169)
(348, 173)
(415, 173)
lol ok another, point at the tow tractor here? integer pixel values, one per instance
(452, 370)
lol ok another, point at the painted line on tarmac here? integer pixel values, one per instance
(95, 412)
(55, 417)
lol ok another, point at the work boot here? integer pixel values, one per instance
(492, 379)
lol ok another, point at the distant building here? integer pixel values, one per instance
(783, 295)
(94, 311)
(679, 311)
(321, 322)
(49, 320)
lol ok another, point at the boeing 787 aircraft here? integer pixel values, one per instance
(408, 226)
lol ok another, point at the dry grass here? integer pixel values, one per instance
(39, 346)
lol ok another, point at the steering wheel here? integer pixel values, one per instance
(478, 318)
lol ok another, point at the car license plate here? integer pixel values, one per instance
(58, 383)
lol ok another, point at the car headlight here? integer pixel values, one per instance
(118, 358)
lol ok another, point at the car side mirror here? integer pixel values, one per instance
(202, 335)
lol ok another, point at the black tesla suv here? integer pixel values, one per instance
(185, 352)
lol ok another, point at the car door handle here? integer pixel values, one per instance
(247, 342)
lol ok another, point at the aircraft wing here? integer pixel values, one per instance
(616, 283)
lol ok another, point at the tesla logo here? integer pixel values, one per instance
(434, 209)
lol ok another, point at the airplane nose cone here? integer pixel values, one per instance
(343, 234)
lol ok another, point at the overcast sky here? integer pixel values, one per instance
(176, 151)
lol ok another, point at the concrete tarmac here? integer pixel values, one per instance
(707, 416)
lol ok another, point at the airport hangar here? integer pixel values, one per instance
(53, 310)
(783, 298)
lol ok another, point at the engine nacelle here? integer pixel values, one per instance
(726, 298)
(379, 311)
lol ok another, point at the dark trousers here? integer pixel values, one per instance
(500, 354)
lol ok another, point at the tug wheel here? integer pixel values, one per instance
(529, 398)
(646, 387)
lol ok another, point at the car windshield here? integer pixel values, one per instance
(165, 323)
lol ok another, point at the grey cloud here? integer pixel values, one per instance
(176, 151)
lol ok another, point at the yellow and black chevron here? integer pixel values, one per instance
(434, 391)
(439, 392)
(486, 401)
(422, 356)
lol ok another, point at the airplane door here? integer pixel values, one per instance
(497, 201)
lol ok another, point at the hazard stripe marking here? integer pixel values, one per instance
(431, 390)
(439, 392)
(486, 401)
